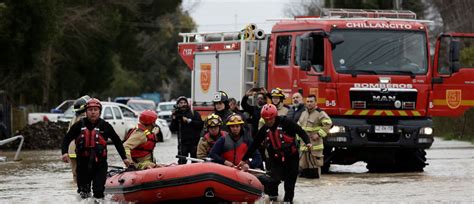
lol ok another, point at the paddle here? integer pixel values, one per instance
(207, 159)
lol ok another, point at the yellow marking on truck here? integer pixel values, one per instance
(389, 113)
(415, 113)
(467, 102)
(402, 113)
(378, 112)
(349, 112)
(364, 112)
(442, 102)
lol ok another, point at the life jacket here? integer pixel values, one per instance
(145, 148)
(211, 140)
(282, 144)
(234, 151)
(91, 142)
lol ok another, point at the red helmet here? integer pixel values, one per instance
(93, 102)
(269, 111)
(148, 117)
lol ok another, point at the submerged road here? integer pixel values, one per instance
(42, 178)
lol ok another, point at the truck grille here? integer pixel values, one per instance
(373, 137)
(383, 99)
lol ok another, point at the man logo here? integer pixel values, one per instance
(384, 90)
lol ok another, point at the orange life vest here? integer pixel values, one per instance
(91, 141)
(281, 143)
(234, 151)
(145, 148)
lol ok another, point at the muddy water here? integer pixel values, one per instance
(42, 178)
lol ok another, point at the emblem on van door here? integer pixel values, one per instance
(453, 98)
(205, 77)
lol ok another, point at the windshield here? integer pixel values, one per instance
(166, 107)
(141, 106)
(381, 52)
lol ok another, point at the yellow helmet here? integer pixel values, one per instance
(234, 119)
(213, 120)
(277, 92)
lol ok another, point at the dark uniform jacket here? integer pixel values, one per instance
(106, 130)
(189, 132)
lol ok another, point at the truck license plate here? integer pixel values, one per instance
(383, 129)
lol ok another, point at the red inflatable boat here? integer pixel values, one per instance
(207, 181)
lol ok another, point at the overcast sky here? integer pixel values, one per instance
(233, 15)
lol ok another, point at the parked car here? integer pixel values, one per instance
(139, 105)
(121, 117)
(165, 110)
(53, 116)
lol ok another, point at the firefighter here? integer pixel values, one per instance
(221, 105)
(213, 125)
(91, 135)
(316, 123)
(141, 141)
(296, 108)
(188, 125)
(278, 98)
(279, 134)
(79, 108)
(230, 149)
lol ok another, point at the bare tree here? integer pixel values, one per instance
(303, 8)
(455, 15)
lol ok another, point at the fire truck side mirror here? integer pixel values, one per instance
(453, 57)
(307, 51)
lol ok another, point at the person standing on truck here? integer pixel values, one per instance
(213, 132)
(230, 149)
(296, 108)
(188, 125)
(279, 137)
(316, 123)
(79, 108)
(141, 141)
(91, 135)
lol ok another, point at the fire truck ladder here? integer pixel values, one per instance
(254, 58)
(11, 139)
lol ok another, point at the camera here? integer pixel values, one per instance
(177, 112)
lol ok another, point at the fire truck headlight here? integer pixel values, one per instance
(426, 131)
(337, 129)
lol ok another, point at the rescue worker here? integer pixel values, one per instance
(277, 97)
(254, 111)
(221, 105)
(230, 149)
(79, 108)
(188, 125)
(279, 134)
(141, 141)
(213, 132)
(296, 108)
(91, 135)
(316, 123)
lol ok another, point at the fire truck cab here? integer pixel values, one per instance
(370, 70)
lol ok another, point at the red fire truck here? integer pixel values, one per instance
(371, 71)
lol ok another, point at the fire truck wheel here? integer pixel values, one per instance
(412, 161)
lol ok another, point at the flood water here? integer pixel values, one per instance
(40, 177)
